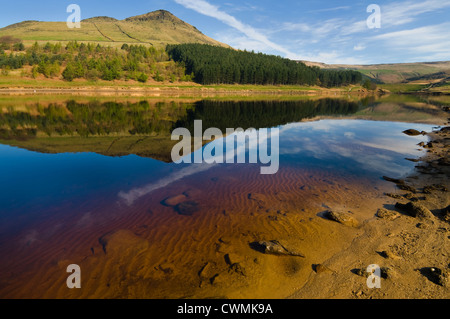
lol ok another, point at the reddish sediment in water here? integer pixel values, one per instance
(198, 248)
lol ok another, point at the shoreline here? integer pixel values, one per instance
(244, 90)
(171, 90)
(408, 238)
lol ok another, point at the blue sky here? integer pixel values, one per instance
(314, 30)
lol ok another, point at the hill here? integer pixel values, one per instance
(420, 73)
(157, 28)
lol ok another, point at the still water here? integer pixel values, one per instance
(73, 171)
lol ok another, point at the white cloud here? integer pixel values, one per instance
(427, 43)
(399, 13)
(396, 14)
(210, 10)
(359, 47)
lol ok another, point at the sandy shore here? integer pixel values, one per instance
(410, 242)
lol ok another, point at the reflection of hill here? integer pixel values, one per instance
(90, 119)
(109, 128)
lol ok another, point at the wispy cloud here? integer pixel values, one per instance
(427, 43)
(331, 9)
(397, 14)
(206, 8)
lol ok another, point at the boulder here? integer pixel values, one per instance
(387, 214)
(342, 218)
(412, 132)
(174, 200)
(273, 247)
(187, 208)
(415, 210)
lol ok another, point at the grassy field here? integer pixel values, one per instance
(157, 28)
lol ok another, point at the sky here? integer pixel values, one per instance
(333, 32)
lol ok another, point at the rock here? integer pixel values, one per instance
(412, 132)
(387, 214)
(232, 259)
(342, 218)
(436, 275)
(446, 214)
(444, 161)
(415, 210)
(122, 242)
(407, 188)
(394, 180)
(274, 248)
(411, 197)
(237, 268)
(174, 200)
(322, 269)
(207, 272)
(395, 196)
(389, 255)
(187, 208)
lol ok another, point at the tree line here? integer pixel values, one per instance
(204, 64)
(217, 65)
(94, 61)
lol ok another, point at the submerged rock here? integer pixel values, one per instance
(393, 180)
(174, 200)
(187, 208)
(342, 218)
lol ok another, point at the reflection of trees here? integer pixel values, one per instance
(91, 119)
(261, 114)
(142, 118)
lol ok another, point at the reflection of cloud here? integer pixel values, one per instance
(130, 197)
(85, 221)
(376, 146)
(391, 145)
(349, 134)
(31, 237)
(254, 142)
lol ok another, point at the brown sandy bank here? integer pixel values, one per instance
(410, 243)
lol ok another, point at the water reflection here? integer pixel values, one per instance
(59, 193)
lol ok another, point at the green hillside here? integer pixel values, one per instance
(157, 28)
(423, 73)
